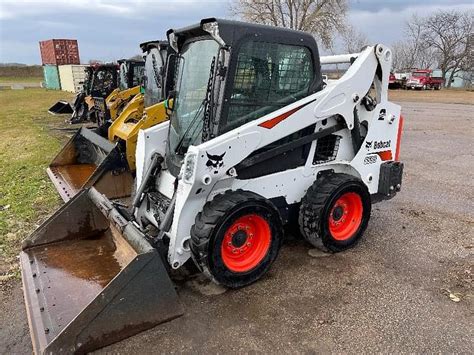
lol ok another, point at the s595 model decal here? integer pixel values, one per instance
(370, 159)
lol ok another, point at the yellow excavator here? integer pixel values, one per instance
(89, 159)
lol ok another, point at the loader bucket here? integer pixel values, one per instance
(61, 107)
(90, 160)
(90, 279)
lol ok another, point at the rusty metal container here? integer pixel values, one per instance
(59, 51)
(90, 278)
(90, 160)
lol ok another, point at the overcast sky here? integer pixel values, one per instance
(111, 29)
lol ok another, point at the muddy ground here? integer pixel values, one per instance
(394, 292)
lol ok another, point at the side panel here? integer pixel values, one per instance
(67, 80)
(149, 141)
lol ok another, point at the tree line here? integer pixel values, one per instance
(440, 40)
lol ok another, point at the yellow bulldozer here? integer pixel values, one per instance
(89, 159)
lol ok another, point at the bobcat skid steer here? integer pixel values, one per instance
(130, 78)
(88, 159)
(253, 138)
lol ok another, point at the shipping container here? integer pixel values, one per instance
(72, 77)
(51, 77)
(59, 51)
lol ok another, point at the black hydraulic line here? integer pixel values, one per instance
(355, 133)
(165, 224)
(156, 161)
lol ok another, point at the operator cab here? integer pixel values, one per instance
(104, 80)
(229, 73)
(155, 85)
(130, 73)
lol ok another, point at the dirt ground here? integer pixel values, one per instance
(390, 294)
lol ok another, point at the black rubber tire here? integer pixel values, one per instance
(209, 229)
(316, 207)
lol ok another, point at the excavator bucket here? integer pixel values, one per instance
(61, 107)
(90, 160)
(90, 279)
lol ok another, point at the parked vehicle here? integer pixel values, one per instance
(424, 80)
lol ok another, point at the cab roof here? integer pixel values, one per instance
(232, 31)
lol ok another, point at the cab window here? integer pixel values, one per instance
(268, 76)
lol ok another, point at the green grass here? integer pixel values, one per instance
(20, 80)
(26, 148)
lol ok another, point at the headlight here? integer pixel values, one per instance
(189, 167)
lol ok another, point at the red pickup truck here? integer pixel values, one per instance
(423, 80)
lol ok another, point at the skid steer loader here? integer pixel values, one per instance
(147, 109)
(253, 140)
(130, 78)
(100, 80)
(88, 159)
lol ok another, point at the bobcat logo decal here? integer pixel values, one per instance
(368, 145)
(215, 162)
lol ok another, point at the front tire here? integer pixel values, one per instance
(335, 212)
(236, 238)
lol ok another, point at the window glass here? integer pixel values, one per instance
(138, 71)
(152, 81)
(123, 78)
(268, 76)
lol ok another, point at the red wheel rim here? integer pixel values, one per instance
(346, 216)
(246, 243)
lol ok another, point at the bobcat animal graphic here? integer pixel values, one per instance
(215, 162)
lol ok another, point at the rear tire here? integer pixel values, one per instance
(335, 212)
(236, 238)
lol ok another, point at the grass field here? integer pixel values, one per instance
(26, 147)
(7, 80)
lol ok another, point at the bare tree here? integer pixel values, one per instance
(353, 40)
(323, 18)
(449, 33)
(413, 51)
